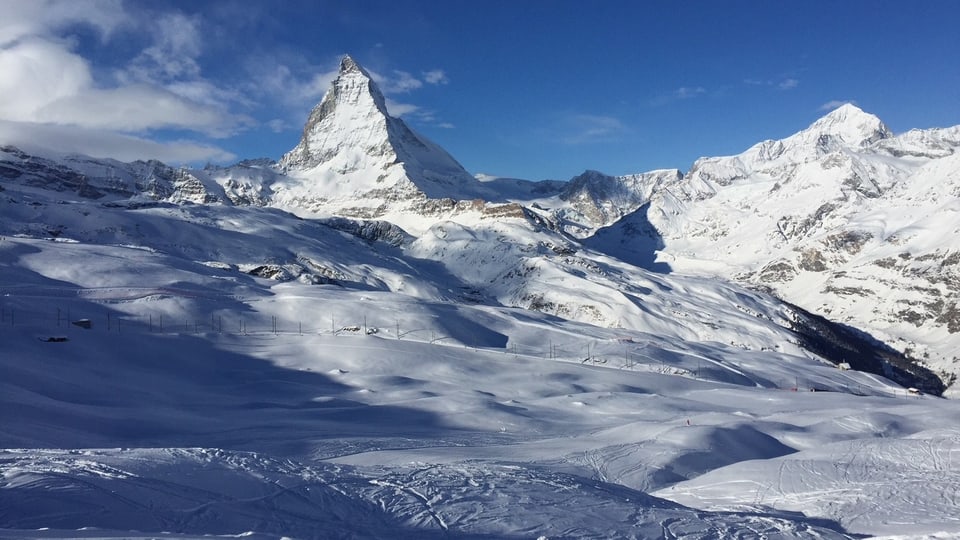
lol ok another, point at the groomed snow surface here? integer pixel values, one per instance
(204, 405)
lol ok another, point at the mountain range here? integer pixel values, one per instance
(844, 219)
(362, 340)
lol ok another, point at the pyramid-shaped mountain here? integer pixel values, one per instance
(353, 151)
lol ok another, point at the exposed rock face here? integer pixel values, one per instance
(597, 200)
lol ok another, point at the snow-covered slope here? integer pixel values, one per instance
(247, 372)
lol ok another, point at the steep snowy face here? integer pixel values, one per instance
(354, 159)
(350, 123)
(847, 126)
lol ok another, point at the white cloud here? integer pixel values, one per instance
(400, 82)
(404, 82)
(687, 92)
(137, 108)
(47, 87)
(397, 109)
(833, 104)
(36, 73)
(788, 84)
(44, 138)
(436, 76)
(297, 91)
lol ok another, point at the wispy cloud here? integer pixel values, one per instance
(784, 83)
(25, 18)
(398, 109)
(576, 129)
(687, 92)
(680, 94)
(833, 104)
(277, 125)
(401, 82)
(436, 76)
(295, 85)
(788, 84)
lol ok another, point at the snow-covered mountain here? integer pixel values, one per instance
(355, 159)
(843, 218)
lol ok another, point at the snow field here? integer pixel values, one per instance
(346, 434)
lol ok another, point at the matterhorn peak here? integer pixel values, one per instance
(851, 126)
(352, 117)
(353, 150)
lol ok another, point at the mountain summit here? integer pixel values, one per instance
(353, 150)
(850, 126)
(350, 123)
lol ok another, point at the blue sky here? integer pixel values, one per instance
(530, 89)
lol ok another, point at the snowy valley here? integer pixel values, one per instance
(363, 340)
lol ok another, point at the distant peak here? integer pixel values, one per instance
(847, 111)
(851, 125)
